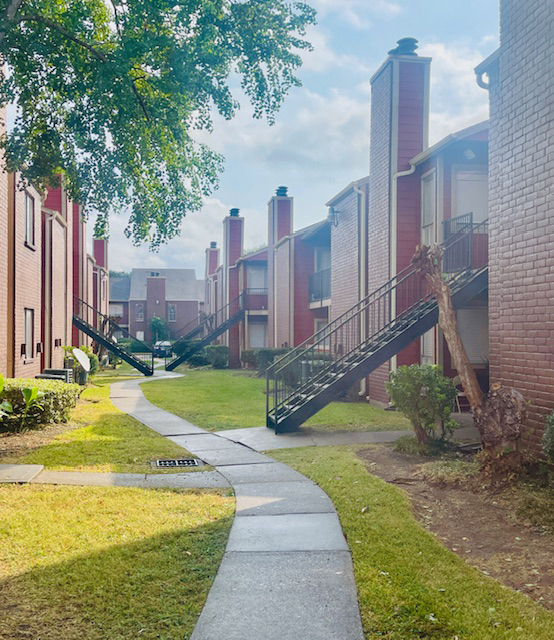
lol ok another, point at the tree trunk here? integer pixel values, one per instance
(500, 414)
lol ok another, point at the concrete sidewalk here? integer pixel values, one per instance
(287, 571)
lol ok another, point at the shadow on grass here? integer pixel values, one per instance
(155, 588)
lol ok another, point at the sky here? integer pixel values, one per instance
(320, 141)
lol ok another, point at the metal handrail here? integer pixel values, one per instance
(108, 328)
(391, 304)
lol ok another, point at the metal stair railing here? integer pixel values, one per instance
(109, 334)
(349, 339)
(211, 326)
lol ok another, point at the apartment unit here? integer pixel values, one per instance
(174, 295)
(282, 290)
(44, 272)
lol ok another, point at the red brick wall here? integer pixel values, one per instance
(155, 302)
(303, 317)
(186, 312)
(28, 281)
(521, 286)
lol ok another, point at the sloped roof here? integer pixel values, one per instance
(120, 287)
(180, 284)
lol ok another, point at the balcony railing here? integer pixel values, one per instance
(320, 285)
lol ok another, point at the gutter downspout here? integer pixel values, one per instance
(362, 264)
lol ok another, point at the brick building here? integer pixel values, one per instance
(174, 295)
(521, 271)
(43, 265)
(284, 287)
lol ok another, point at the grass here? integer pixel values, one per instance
(219, 400)
(107, 440)
(125, 563)
(409, 585)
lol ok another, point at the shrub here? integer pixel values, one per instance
(218, 356)
(426, 398)
(250, 357)
(198, 359)
(266, 357)
(548, 437)
(54, 406)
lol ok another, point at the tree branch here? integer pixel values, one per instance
(9, 15)
(67, 34)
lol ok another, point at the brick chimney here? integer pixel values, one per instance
(100, 252)
(212, 259)
(399, 131)
(280, 224)
(233, 238)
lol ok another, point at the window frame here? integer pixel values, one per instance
(139, 315)
(28, 340)
(29, 221)
(171, 311)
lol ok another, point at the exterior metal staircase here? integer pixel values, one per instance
(104, 331)
(374, 330)
(209, 329)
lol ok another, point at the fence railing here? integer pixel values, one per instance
(113, 332)
(402, 299)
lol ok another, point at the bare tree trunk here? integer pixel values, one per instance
(500, 414)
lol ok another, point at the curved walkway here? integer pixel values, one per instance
(287, 570)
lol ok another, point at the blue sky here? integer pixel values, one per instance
(320, 141)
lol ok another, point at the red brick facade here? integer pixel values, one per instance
(521, 281)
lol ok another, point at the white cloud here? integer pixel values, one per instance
(356, 12)
(187, 250)
(456, 99)
(323, 57)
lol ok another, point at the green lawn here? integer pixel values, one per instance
(218, 400)
(95, 563)
(409, 585)
(107, 440)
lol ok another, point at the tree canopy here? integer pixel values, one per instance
(110, 92)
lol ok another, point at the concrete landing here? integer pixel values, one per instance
(264, 439)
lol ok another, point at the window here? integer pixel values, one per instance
(140, 335)
(257, 277)
(428, 347)
(29, 220)
(171, 312)
(471, 194)
(29, 330)
(139, 312)
(474, 332)
(116, 310)
(428, 208)
(154, 274)
(257, 332)
(322, 259)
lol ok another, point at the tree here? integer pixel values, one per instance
(500, 414)
(159, 328)
(110, 94)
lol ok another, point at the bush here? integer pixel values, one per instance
(55, 405)
(266, 357)
(218, 356)
(426, 397)
(548, 437)
(250, 357)
(198, 359)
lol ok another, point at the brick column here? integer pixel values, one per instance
(233, 238)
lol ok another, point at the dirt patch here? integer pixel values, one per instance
(479, 526)
(20, 444)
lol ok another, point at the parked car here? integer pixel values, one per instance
(162, 348)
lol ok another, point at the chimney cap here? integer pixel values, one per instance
(406, 47)
(213, 245)
(282, 191)
(234, 212)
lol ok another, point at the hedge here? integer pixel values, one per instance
(57, 402)
(218, 356)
